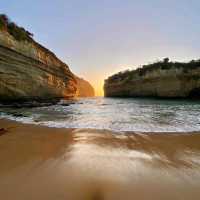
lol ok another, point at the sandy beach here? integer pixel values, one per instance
(57, 164)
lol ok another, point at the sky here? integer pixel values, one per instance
(98, 38)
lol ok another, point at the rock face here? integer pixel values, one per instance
(162, 79)
(28, 71)
(84, 89)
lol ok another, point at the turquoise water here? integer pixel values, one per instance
(117, 114)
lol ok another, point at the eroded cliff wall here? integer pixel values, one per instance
(84, 88)
(174, 82)
(30, 71)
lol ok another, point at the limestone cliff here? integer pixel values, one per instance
(84, 88)
(162, 79)
(29, 71)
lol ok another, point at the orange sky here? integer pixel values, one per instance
(97, 79)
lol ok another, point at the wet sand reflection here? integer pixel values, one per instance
(47, 163)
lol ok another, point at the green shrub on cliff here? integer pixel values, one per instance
(3, 22)
(19, 33)
(165, 64)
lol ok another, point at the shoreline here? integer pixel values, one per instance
(7, 122)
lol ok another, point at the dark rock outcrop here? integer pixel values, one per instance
(162, 79)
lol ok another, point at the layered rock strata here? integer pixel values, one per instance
(29, 71)
(165, 80)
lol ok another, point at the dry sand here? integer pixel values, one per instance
(40, 163)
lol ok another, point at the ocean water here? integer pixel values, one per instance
(116, 114)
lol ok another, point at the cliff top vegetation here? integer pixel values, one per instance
(164, 64)
(19, 33)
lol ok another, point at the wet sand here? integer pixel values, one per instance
(74, 164)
